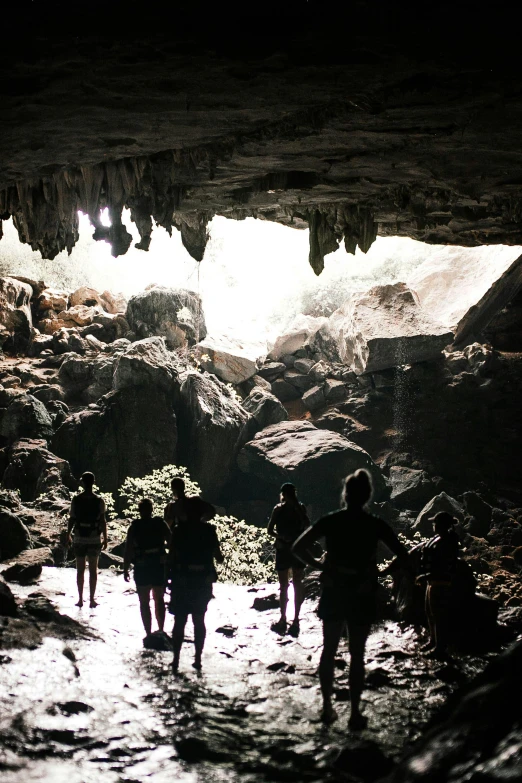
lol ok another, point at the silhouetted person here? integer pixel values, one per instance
(349, 585)
(87, 522)
(145, 548)
(287, 522)
(193, 549)
(438, 569)
(181, 507)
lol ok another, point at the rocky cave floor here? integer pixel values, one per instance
(82, 698)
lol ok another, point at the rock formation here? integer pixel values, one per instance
(176, 315)
(232, 360)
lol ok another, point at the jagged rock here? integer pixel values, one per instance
(8, 395)
(14, 536)
(314, 398)
(58, 411)
(75, 374)
(410, 488)
(47, 392)
(93, 342)
(146, 363)
(113, 303)
(131, 432)
(7, 600)
(232, 360)
(301, 382)
(33, 470)
(265, 408)
(256, 381)
(284, 391)
(441, 502)
(175, 314)
(288, 359)
(39, 342)
(334, 391)
(52, 299)
(303, 365)
(213, 427)
(386, 327)
(85, 296)
(478, 508)
(15, 314)
(27, 567)
(11, 381)
(78, 315)
(319, 372)
(314, 460)
(26, 417)
(272, 370)
(299, 333)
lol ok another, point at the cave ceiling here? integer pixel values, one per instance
(353, 136)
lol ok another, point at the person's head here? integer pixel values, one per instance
(288, 493)
(357, 489)
(145, 508)
(443, 522)
(177, 486)
(87, 480)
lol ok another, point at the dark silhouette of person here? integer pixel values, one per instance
(145, 548)
(194, 547)
(182, 506)
(87, 522)
(349, 584)
(287, 522)
(439, 564)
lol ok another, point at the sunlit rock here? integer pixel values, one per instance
(212, 429)
(173, 313)
(52, 299)
(27, 567)
(298, 334)
(146, 363)
(231, 359)
(78, 315)
(15, 313)
(386, 327)
(86, 296)
(33, 470)
(113, 303)
(131, 432)
(272, 370)
(314, 460)
(26, 417)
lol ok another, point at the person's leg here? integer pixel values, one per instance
(297, 581)
(439, 605)
(144, 596)
(80, 578)
(200, 633)
(431, 621)
(332, 630)
(159, 606)
(358, 635)
(178, 634)
(283, 595)
(93, 578)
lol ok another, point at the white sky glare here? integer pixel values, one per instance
(255, 275)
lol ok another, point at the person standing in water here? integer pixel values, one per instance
(145, 547)
(87, 521)
(287, 522)
(194, 547)
(177, 509)
(349, 585)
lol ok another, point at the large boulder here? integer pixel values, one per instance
(299, 334)
(79, 315)
(130, 432)
(315, 460)
(85, 296)
(265, 408)
(51, 299)
(146, 363)
(410, 488)
(26, 417)
(14, 536)
(114, 303)
(7, 600)
(386, 327)
(232, 360)
(441, 502)
(173, 313)
(33, 470)
(213, 427)
(27, 567)
(15, 314)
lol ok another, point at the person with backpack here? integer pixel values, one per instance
(88, 524)
(182, 506)
(145, 548)
(287, 522)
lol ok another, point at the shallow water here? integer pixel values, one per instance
(106, 707)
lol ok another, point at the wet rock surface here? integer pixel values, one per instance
(106, 706)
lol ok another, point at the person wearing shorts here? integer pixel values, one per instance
(145, 548)
(348, 585)
(287, 522)
(87, 527)
(194, 548)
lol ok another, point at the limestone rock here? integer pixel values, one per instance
(256, 381)
(410, 488)
(272, 370)
(131, 432)
(75, 374)
(52, 299)
(173, 313)
(265, 408)
(27, 567)
(299, 333)
(15, 313)
(334, 391)
(14, 536)
(300, 382)
(7, 600)
(386, 327)
(39, 342)
(232, 360)
(33, 470)
(85, 296)
(314, 460)
(212, 430)
(303, 365)
(284, 391)
(78, 315)
(26, 417)
(46, 392)
(314, 398)
(146, 363)
(113, 303)
(441, 502)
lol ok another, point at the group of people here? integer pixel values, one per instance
(182, 547)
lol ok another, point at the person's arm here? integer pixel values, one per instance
(301, 546)
(169, 514)
(217, 553)
(103, 524)
(272, 523)
(71, 523)
(128, 553)
(167, 534)
(390, 539)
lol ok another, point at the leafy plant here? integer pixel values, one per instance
(155, 486)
